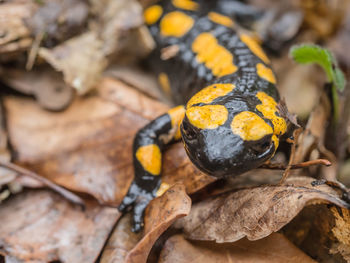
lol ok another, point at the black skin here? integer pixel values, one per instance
(145, 185)
(217, 152)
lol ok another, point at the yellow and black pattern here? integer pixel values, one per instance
(230, 122)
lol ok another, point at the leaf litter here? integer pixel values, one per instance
(86, 149)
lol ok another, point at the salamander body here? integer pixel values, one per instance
(228, 118)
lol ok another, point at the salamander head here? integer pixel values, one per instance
(228, 146)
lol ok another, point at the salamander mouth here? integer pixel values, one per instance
(268, 153)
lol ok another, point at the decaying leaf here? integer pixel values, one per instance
(323, 18)
(83, 58)
(40, 226)
(135, 77)
(7, 177)
(160, 214)
(14, 34)
(87, 148)
(116, 19)
(45, 84)
(121, 241)
(341, 231)
(274, 248)
(342, 40)
(58, 20)
(256, 212)
(126, 246)
(80, 59)
(321, 231)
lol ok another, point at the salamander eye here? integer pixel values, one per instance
(262, 146)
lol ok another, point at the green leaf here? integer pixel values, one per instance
(339, 79)
(305, 54)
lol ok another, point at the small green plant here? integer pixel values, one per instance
(39, 2)
(306, 54)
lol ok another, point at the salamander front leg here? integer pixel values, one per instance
(140, 198)
(147, 157)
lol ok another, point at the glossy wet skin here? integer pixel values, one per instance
(221, 153)
(228, 117)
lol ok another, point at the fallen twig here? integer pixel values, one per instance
(59, 189)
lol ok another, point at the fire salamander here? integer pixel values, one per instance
(228, 118)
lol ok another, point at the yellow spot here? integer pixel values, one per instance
(265, 73)
(164, 83)
(250, 127)
(150, 157)
(215, 57)
(152, 14)
(185, 4)
(268, 108)
(255, 48)
(177, 114)
(208, 116)
(162, 189)
(175, 24)
(220, 19)
(210, 93)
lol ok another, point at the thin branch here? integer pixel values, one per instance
(62, 191)
(296, 134)
(281, 166)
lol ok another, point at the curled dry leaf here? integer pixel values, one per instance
(126, 246)
(121, 241)
(40, 226)
(274, 248)
(256, 212)
(80, 59)
(87, 148)
(160, 214)
(83, 58)
(44, 83)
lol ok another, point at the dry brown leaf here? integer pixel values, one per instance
(116, 18)
(341, 231)
(12, 25)
(323, 18)
(40, 226)
(322, 232)
(136, 77)
(160, 214)
(87, 148)
(274, 248)
(341, 40)
(44, 83)
(256, 212)
(80, 59)
(121, 241)
(7, 177)
(83, 58)
(58, 20)
(126, 246)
